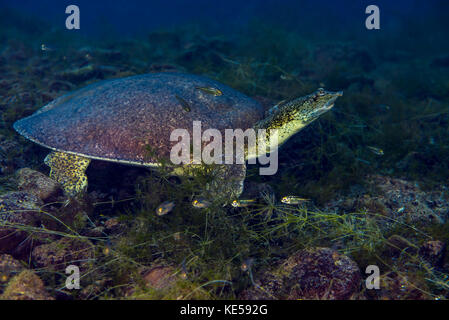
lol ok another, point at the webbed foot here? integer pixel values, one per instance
(68, 170)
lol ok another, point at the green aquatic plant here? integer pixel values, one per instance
(208, 246)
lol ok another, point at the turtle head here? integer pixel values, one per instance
(309, 108)
(288, 117)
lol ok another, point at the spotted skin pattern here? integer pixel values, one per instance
(68, 170)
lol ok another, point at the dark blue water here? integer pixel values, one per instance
(306, 17)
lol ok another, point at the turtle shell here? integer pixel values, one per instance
(117, 119)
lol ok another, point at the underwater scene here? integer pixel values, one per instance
(224, 150)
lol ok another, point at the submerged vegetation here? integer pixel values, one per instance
(217, 252)
(395, 102)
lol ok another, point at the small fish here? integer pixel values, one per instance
(401, 209)
(44, 47)
(246, 265)
(293, 200)
(201, 203)
(107, 248)
(210, 90)
(3, 278)
(185, 105)
(242, 203)
(177, 236)
(165, 208)
(376, 150)
(183, 273)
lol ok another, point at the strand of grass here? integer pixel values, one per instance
(206, 284)
(152, 242)
(358, 119)
(397, 271)
(63, 264)
(112, 202)
(27, 228)
(333, 218)
(52, 203)
(299, 222)
(430, 115)
(59, 221)
(9, 234)
(436, 280)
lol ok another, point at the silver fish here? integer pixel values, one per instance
(165, 208)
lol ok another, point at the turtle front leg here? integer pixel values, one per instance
(228, 182)
(68, 170)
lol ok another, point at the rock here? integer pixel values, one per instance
(56, 256)
(113, 225)
(26, 286)
(37, 183)
(405, 200)
(323, 273)
(9, 267)
(399, 287)
(159, 277)
(433, 252)
(395, 198)
(17, 211)
(316, 273)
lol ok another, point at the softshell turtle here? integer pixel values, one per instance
(118, 120)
